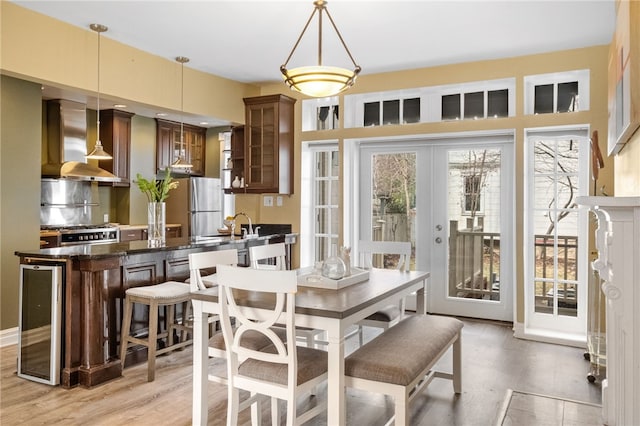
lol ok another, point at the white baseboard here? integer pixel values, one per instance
(546, 336)
(8, 337)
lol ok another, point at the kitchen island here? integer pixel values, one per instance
(95, 279)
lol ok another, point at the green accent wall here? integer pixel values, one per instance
(20, 152)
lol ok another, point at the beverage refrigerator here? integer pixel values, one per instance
(39, 337)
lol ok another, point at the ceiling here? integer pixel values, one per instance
(247, 41)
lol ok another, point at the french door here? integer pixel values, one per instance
(453, 199)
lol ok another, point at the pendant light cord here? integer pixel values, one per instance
(98, 104)
(182, 110)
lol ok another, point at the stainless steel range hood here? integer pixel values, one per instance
(66, 144)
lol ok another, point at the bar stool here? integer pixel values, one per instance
(166, 294)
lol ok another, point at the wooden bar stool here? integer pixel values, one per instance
(166, 294)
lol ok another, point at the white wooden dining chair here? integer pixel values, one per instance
(392, 314)
(275, 255)
(206, 261)
(282, 370)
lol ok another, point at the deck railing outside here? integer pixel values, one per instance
(474, 266)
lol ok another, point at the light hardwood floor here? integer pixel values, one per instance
(493, 361)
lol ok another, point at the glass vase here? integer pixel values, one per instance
(333, 267)
(156, 218)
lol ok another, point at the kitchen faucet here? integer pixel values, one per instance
(249, 233)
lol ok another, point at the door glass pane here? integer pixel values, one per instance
(326, 197)
(474, 223)
(393, 201)
(555, 227)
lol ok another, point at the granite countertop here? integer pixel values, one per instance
(97, 251)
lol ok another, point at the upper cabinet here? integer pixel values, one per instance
(169, 145)
(115, 135)
(624, 76)
(266, 162)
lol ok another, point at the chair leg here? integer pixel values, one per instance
(232, 406)
(171, 320)
(152, 341)
(457, 365)
(291, 412)
(275, 411)
(360, 334)
(256, 410)
(126, 326)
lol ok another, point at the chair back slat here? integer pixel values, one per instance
(208, 260)
(369, 248)
(275, 252)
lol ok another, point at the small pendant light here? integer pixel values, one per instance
(181, 162)
(98, 152)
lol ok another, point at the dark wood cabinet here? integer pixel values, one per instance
(168, 145)
(137, 234)
(115, 135)
(266, 158)
(237, 158)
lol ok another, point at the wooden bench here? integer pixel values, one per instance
(399, 361)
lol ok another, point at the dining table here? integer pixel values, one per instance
(331, 310)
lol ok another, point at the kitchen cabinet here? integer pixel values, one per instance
(236, 168)
(266, 162)
(168, 145)
(115, 135)
(137, 233)
(130, 234)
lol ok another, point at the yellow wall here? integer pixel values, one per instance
(66, 55)
(627, 167)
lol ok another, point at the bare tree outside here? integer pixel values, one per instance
(394, 182)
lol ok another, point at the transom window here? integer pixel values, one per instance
(557, 92)
(476, 105)
(470, 101)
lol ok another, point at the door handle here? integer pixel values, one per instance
(438, 240)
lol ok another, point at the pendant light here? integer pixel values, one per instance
(98, 152)
(180, 162)
(319, 80)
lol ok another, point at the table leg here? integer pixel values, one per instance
(200, 363)
(421, 299)
(336, 395)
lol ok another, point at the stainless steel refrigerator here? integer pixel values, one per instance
(196, 205)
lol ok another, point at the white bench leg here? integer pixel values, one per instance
(402, 409)
(457, 364)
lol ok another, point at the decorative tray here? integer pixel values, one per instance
(309, 277)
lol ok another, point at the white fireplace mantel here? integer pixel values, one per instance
(618, 263)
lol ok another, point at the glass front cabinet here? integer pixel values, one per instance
(268, 145)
